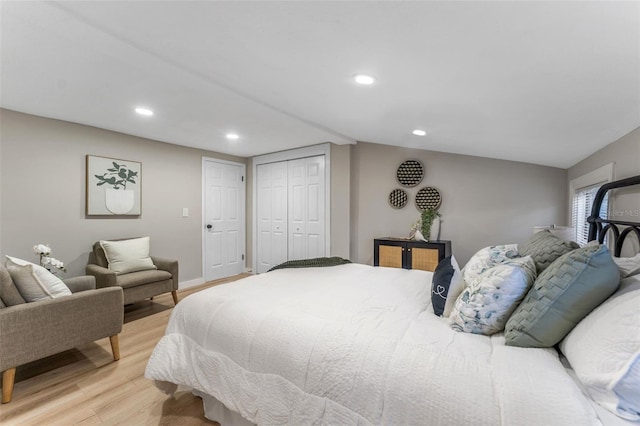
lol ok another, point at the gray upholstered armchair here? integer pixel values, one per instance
(35, 330)
(136, 285)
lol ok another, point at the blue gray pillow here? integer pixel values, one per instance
(544, 248)
(571, 287)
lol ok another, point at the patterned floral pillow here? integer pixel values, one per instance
(489, 300)
(487, 258)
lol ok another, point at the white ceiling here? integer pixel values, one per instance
(540, 82)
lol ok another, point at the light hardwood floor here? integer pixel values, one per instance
(85, 386)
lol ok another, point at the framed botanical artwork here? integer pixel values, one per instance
(114, 187)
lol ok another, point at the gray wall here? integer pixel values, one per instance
(484, 201)
(340, 199)
(625, 154)
(42, 177)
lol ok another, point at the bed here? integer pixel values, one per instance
(355, 345)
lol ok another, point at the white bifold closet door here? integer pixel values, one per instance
(272, 215)
(306, 208)
(291, 211)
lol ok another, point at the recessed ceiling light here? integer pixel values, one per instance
(144, 111)
(364, 79)
(232, 136)
(419, 132)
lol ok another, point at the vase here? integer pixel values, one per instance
(119, 201)
(434, 233)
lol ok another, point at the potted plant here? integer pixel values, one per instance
(427, 217)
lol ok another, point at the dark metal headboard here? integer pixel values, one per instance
(598, 227)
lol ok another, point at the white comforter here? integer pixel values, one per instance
(354, 344)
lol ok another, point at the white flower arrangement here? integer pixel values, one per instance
(42, 249)
(46, 261)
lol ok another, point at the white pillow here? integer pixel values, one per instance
(489, 300)
(126, 256)
(628, 265)
(34, 282)
(604, 351)
(487, 258)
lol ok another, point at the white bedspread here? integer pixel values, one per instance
(354, 344)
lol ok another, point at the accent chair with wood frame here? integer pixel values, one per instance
(35, 330)
(137, 285)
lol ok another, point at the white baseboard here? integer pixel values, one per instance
(191, 283)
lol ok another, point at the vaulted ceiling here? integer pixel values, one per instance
(540, 82)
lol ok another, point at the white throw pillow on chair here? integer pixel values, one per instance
(126, 256)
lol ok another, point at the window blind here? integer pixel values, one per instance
(582, 203)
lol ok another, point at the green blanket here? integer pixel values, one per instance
(311, 263)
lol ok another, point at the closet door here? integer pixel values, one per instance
(306, 200)
(272, 215)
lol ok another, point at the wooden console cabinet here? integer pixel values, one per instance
(409, 254)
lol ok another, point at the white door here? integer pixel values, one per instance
(272, 215)
(306, 200)
(223, 215)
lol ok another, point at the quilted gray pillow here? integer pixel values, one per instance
(544, 248)
(561, 296)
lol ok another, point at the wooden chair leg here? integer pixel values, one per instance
(175, 297)
(8, 378)
(115, 347)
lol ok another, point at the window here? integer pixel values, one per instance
(582, 204)
(582, 192)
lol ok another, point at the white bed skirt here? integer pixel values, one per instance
(218, 412)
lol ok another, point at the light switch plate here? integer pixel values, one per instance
(185, 212)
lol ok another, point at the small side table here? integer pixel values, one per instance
(409, 254)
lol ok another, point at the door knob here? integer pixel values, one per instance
(209, 226)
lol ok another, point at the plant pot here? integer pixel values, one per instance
(119, 201)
